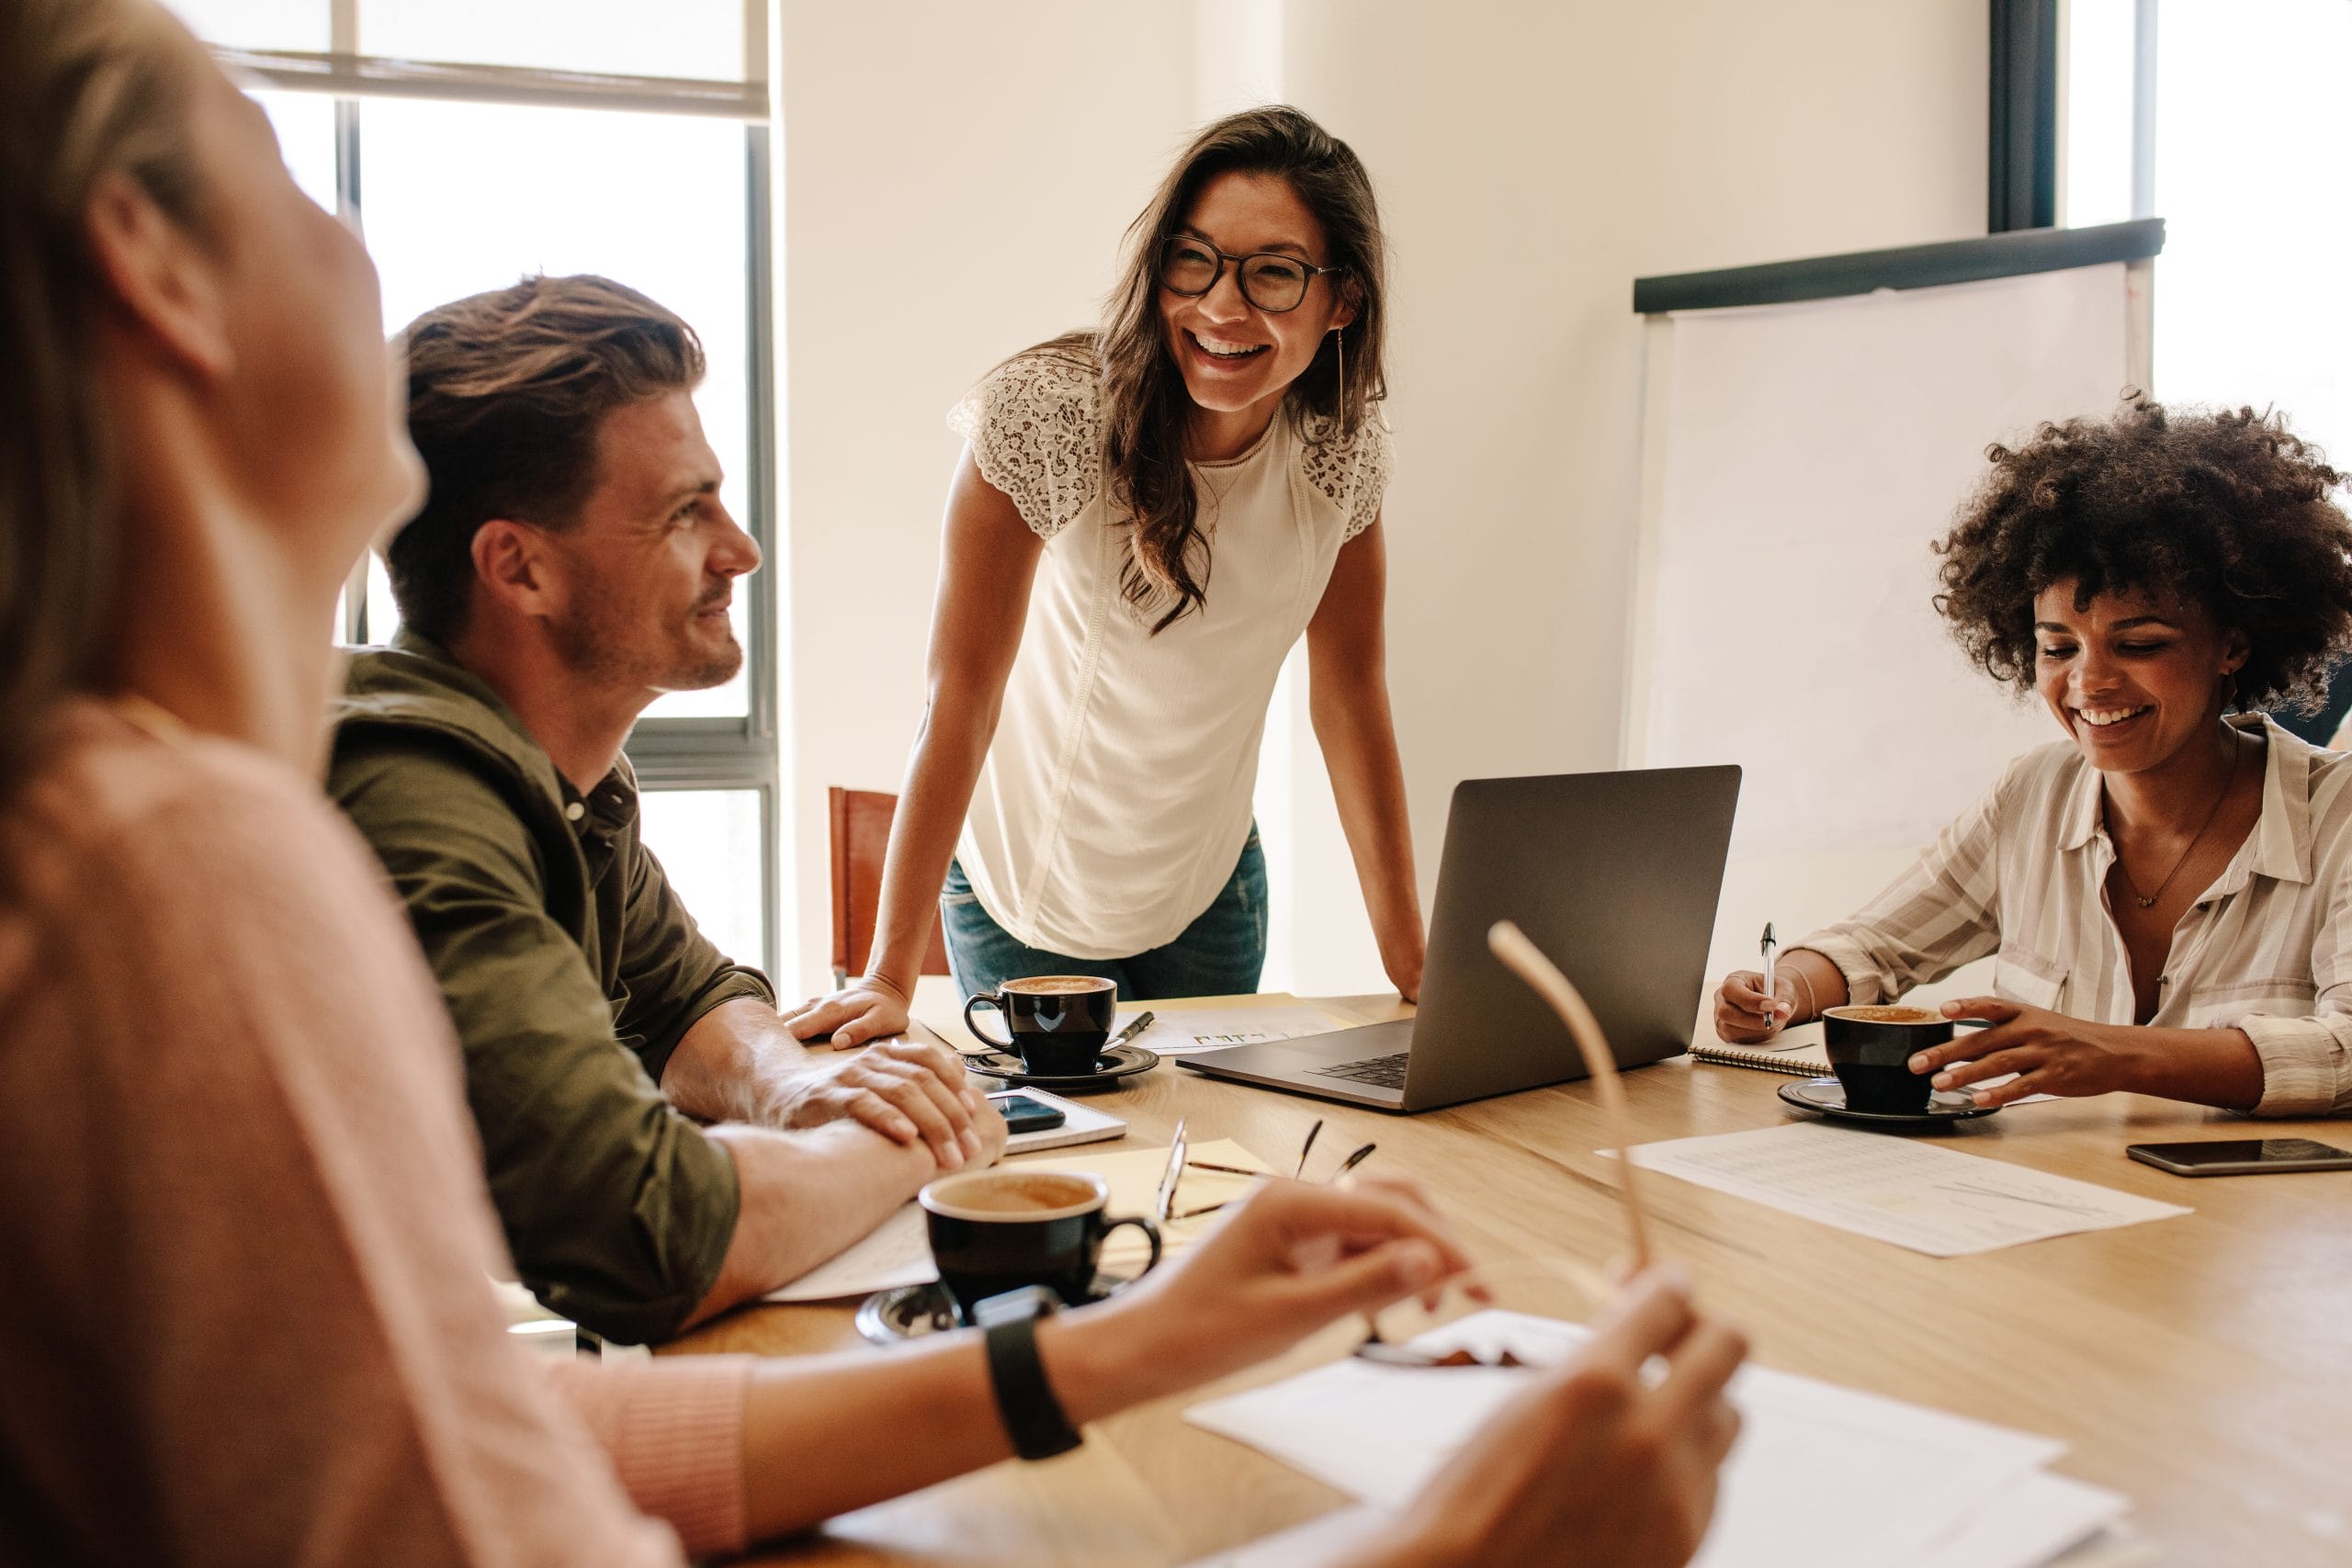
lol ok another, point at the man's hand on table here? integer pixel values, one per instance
(908, 1090)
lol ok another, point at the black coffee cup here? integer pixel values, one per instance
(1872, 1047)
(993, 1231)
(1058, 1021)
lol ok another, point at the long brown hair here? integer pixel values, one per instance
(87, 88)
(1147, 414)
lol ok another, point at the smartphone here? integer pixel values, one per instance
(2240, 1156)
(1023, 1114)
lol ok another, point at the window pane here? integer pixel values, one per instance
(461, 198)
(690, 38)
(257, 24)
(2252, 156)
(708, 842)
(2100, 41)
(305, 126)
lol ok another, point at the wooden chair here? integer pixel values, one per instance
(861, 836)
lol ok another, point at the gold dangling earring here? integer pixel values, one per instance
(1339, 349)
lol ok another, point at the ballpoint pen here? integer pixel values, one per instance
(1304, 1148)
(1135, 1026)
(1771, 954)
(1172, 1175)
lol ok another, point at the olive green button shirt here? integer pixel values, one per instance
(570, 970)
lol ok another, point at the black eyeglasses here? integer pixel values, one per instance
(1270, 280)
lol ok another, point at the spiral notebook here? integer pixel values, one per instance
(1799, 1053)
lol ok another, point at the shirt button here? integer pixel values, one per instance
(574, 812)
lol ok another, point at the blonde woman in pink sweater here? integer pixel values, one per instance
(244, 1244)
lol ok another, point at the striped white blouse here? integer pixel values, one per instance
(2022, 874)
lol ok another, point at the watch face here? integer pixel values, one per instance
(1029, 1301)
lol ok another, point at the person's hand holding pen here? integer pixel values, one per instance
(1792, 987)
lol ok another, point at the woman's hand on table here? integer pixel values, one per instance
(1405, 972)
(1594, 1460)
(1745, 1015)
(2050, 1053)
(866, 1008)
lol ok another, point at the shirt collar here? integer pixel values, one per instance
(2281, 840)
(2283, 833)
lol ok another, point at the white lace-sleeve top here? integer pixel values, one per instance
(1117, 795)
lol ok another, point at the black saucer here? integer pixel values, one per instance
(1119, 1062)
(1827, 1096)
(914, 1311)
(906, 1312)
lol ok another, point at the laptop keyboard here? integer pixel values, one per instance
(1382, 1072)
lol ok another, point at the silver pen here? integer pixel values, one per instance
(1771, 947)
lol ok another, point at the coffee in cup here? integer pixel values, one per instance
(1057, 1023)
(1870, 1047)
(993, 1231)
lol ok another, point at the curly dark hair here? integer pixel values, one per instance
(2225, 509)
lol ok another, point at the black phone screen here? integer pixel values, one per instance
(1023, 1114)
(2242, 1155)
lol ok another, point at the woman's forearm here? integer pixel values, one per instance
(948, 754)
(1359, 741)
(1821, 984)
(924, 1414)
(2204, 1066)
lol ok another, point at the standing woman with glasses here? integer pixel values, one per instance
(1145, 519)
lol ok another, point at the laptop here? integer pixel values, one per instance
(1614, 875)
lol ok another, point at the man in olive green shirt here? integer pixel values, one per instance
(571, 564)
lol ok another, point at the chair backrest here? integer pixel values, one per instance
(861, 839)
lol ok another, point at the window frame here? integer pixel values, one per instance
(729, 753)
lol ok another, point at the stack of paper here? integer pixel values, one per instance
(1182, 1031)
(899, 1252)
(1822, 1477)
(1931, 1199)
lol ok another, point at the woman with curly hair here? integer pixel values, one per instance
(2165, 892)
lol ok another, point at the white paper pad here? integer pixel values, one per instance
(1081, 1123)
(1316, 1540)
(898, 1250)
(1931, 1199)
(897, 1253)
(1905, 1479)
(1178, 1032)
(2040, 1521)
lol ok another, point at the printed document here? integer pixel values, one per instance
(1931, 1199)
(1181, 1030)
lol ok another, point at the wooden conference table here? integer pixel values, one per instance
(2202, 1365)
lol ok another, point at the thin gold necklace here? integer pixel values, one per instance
(2150, 901)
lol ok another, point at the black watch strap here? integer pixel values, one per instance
(1032, 1415)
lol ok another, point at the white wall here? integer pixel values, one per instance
(955, 179)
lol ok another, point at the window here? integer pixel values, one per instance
(473, 145)
(2227, 121)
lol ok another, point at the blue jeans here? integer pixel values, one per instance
(1220, 953)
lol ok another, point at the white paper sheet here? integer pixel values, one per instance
(1914, 1194)
(1316, 1540)
(1178, 1032)
(898, 1251)
(2042, 1520)
(1907, 1477)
